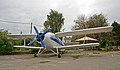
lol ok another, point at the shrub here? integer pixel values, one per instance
(6, 44)
(33, 51)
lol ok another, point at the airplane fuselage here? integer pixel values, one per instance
(49, 42)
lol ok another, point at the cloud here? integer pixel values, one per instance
(36, 10)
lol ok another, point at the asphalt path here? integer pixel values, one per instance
(66, 62)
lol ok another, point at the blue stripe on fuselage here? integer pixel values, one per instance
(56, 40)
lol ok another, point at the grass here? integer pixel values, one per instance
(96, 53)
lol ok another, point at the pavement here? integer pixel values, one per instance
(66, 62)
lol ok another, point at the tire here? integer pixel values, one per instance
(35, 55)
(59, 55)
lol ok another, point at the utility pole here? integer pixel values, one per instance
(31, 28)
(63, 38)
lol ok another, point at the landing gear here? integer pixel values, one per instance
(62, 51)
(35, 55)
(59, 55)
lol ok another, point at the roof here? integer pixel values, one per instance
(86, 38)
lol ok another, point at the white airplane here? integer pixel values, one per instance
(49, 40)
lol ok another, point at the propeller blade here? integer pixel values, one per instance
(42, 43)
(36, 30)
(32, 41)
(48, 30)
(39, 37)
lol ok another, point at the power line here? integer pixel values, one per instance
(31, 24)
(18, 22)
(13, 22)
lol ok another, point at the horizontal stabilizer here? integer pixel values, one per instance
(28, 47)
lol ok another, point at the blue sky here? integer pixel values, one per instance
(35, 11)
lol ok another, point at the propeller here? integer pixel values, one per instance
(35, 39)
(39, 37)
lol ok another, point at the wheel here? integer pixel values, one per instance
(35, 55)
(62, 51)
(59, 55)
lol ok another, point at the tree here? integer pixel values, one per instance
(116, 33)
(97, 20)
(80, 23)
(6, 44)
(116, 29)
(105, 39)
(55, 21)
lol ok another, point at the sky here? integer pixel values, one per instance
(36, 11)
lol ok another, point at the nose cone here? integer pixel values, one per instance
(42, 37)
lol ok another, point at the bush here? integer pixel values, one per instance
(6, 44)
(105, 40)
(33, 51)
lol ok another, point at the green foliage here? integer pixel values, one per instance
(116, 33)
(116, 29)
(80, 23)
(6, 44)
(105, 40)
(33, 51)
(83, 22)
(36, 44)
(55, 21)
(112, 38)
(96, 20)
(21, 42)
(76, 56)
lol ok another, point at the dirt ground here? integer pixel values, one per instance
(109, 61)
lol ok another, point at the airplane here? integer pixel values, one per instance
(50, 41)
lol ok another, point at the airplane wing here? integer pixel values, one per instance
(79, 45)
(22, 36)
(85, 31)
(28, 47)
